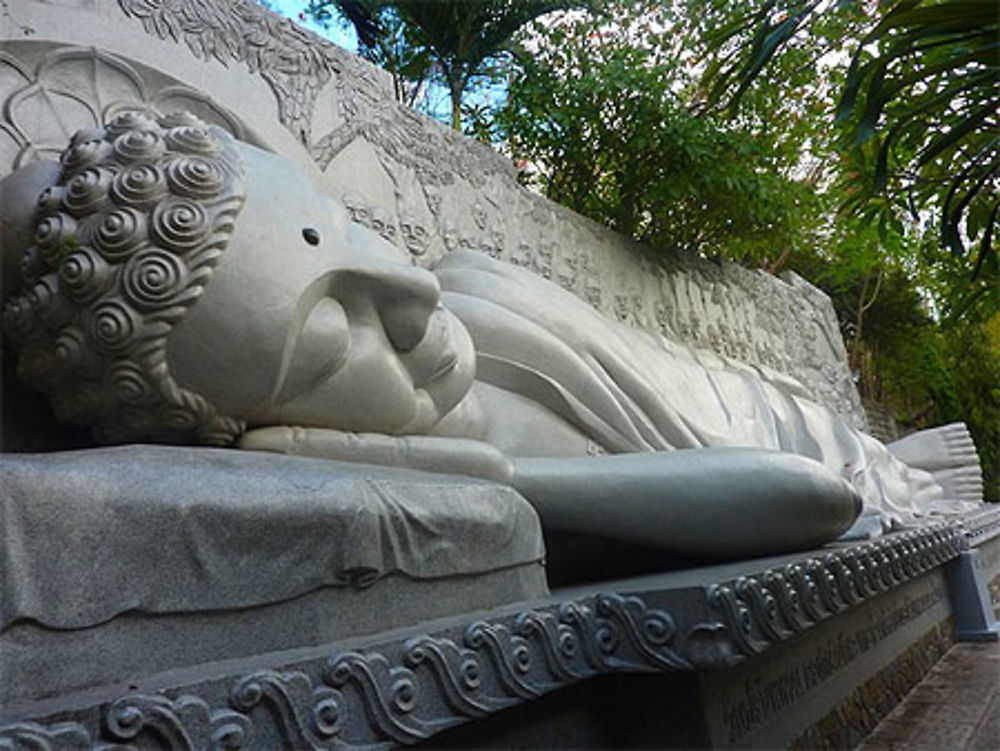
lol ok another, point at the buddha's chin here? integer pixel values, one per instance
(445, 404)
(467, 419)
(446, 407)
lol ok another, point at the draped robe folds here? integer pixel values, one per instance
(628, 391)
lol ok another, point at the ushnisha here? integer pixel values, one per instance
(186, 287)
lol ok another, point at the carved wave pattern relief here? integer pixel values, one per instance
(402, 691)
(759, 611)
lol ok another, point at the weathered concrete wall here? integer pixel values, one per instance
(428, 190)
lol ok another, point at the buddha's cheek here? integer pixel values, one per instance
(320, 350)
(453, 386)
(371, 392)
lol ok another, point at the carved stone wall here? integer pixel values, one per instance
(411, 179)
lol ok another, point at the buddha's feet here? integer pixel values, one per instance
(943, 447)
(948, 453)
(961, 483)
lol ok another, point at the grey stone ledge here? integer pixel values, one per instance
(982, 526)
(403, 687)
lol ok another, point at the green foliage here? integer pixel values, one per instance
(455, 41)
(598, 114)
(937, 376)
(924, 370)
(920, 99)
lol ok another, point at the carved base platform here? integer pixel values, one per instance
(767, 653)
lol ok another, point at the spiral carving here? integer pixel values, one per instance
(113, 267)
(232, 734)
(84, 154)
(192, 139)
(87, 134)
(139, 145)
(522, 657)
(175, 417)
(120, 233)
(404, 695)
(327, 712)
(185, 722)
(31, 265)
(471, 674)
(113, 326)
(568, 644)
(70, 347)
(246, 693)
(141, 186)
(179, 118)
(399, 694)
(18, 319)
(127, 121)
(195, 177)
(87, 192)
(606, 638)
(153, 277)
(46, 302)
(50, 200)
(53, 234)
(180, 224)
(291, 701)
(124, 721)
(510, 655)
(650, 632)
(128, 382)
(84, 275)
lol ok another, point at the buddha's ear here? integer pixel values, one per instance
(18, 199)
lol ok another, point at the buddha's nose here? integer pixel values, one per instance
(406, 303)
(405, 298)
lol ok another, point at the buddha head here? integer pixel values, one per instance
(183, 285)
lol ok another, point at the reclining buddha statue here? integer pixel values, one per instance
(181, 286)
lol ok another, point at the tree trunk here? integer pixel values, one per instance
(455, 87)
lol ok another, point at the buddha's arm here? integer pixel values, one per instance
(454, 456)
(715, 502)
(730, 502)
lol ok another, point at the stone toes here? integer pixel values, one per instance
(957, 435)
(934, 449)
(965, 448)
(963, 483)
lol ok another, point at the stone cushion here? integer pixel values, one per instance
(88, 535)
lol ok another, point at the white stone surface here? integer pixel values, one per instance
(273, 84)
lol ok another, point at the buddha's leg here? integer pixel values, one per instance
(720, 502)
